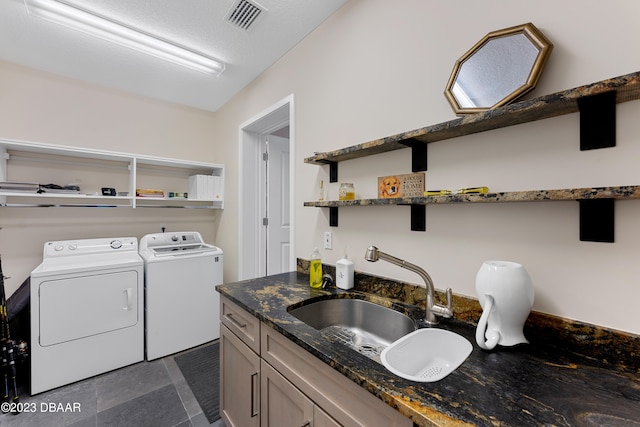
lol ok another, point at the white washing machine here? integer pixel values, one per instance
(181, 304)
(86, 310)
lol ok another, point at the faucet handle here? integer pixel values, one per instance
(443, 311)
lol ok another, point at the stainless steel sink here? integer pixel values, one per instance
(362, 325)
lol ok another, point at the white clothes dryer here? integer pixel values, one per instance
(86, 310)
(182, 305)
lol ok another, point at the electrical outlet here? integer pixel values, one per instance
(328, 240)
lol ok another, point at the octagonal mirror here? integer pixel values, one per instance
(500, 68)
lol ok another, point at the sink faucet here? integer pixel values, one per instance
(431, 308)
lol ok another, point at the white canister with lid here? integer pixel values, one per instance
(344, 273)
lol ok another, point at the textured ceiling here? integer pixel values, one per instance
(197, 24)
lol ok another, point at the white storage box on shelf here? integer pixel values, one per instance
(205, 187)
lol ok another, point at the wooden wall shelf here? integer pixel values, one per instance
(596, 99)
(596, 206)
(596, 104)
(616, 193)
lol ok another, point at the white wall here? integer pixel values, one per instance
(377, 68)
(36, 106)
(374, 69)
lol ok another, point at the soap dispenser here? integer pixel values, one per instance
(315, 269)
(344, 273)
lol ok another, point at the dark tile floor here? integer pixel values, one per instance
(145, 394)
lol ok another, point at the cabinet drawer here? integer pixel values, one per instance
(242, 324)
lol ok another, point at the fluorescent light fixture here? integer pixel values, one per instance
(89, 23)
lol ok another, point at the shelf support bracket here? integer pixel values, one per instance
(597, 220)
(418, 217)
(333, 216)
(333, 169)
(597, 121)
(418, 154)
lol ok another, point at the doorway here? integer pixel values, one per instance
(266, 184)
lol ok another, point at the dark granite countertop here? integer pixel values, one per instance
(527, 385)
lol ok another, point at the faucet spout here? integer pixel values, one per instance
(431, 308)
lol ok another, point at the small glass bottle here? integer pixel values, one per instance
(346, 191)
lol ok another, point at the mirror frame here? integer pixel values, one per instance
(537, 39)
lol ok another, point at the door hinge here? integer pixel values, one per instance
(265, 221)
(265, 156)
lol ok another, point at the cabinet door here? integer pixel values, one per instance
(239, 382)
(322, 419)
(281, 404)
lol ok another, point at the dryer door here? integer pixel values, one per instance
(80, 306)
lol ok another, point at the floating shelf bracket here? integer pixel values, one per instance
(597, 121)
(597, 220)
(333, 170)
(418, 217)
(333, 216)
(418, 154)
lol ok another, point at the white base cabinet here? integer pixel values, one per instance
(281, 385)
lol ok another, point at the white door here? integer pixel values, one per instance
(257, 257)
(277, 221)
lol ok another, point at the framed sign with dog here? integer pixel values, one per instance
(409, 185)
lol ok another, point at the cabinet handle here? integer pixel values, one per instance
(235, 322)
(307, 424)
(254, 389)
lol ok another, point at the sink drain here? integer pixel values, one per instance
(368, 350)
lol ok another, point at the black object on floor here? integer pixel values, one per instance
(201, 369)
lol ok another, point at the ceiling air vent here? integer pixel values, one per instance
(243, 13)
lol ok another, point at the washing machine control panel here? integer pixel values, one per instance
(172, 239)
(89, 246)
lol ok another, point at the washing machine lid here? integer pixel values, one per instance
(182, 248)
(174, 244)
